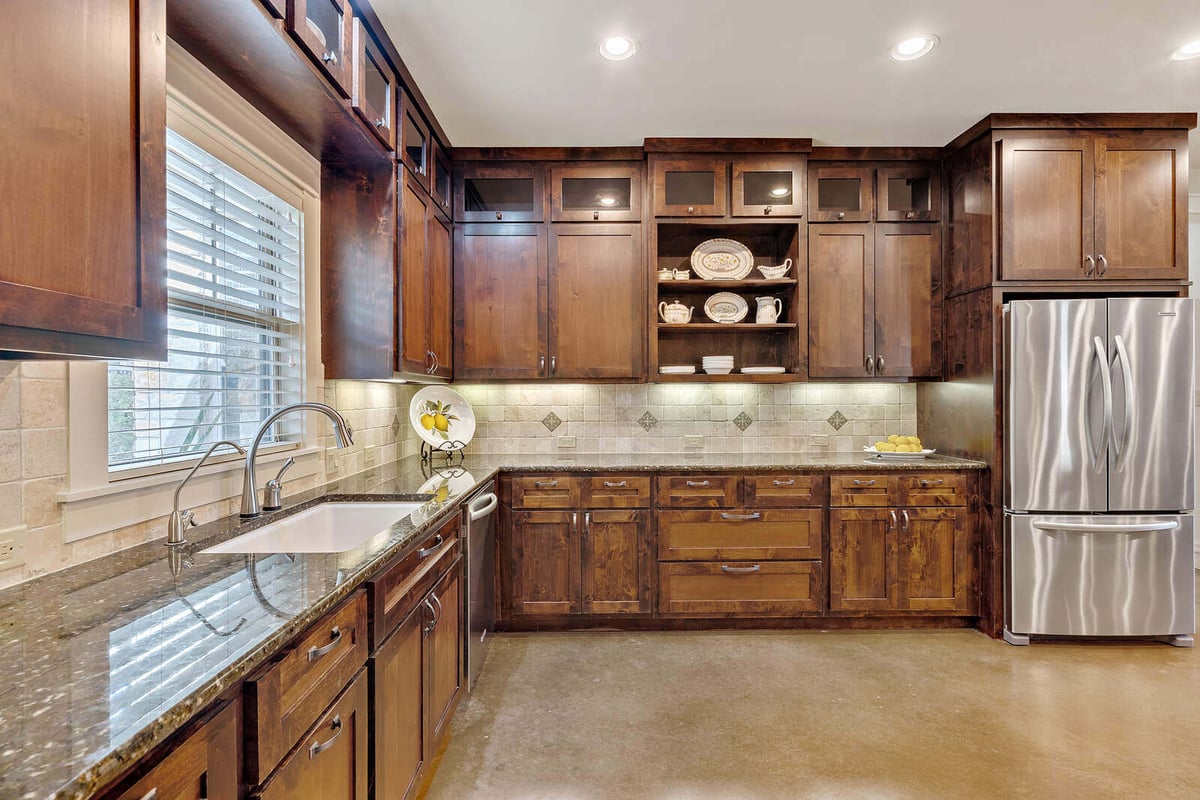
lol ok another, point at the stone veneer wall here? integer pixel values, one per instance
(655, 418)
(33, 460)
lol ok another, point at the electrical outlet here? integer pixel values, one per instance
(12, 548)
(566, 441)
(820, 441)
(370, 455)
(333, 463)
(693, 442)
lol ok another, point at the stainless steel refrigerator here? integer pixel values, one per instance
(1099, 468)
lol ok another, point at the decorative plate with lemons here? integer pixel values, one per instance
(898, 447)
(441, 417)
(445, 486)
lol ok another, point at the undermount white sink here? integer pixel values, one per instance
(326, 528)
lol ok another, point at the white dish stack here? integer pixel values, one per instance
(688, 369)
(718, 365)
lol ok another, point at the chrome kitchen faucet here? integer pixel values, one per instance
(341, 429)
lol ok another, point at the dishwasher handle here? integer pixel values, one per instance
(482, 506)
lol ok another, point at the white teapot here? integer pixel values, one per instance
(675, 312)
(769, 309)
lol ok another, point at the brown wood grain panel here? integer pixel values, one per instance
(203, 764)
(841, 292)
(928, 171)
(555, 490)
(440, 281)
(934, 489)
(331, 58)
(867, 489)
(597, 301)
(631, 172)
(367, 56)
(785, 489)
(735, 589)
(444, 643)
(934, 560)
(969, 229)
(660, 167)
(796, 165)
(545, 562)
(864, 175)
(743, 534)
(548, 154)
(616, 491)
(703, 144)
(397, 671)
(698, 491)
(414, 278)
(396, 589)
(617, 564)
(908, 300)
(416, 145)
(465, 172)
(862, 559)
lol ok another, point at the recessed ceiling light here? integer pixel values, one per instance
(780, 191)
(914, 48)
(1189, 50)
(608, 201)
(618, 48)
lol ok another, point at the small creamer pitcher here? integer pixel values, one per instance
(769, 309)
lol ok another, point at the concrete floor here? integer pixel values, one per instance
(942, 714)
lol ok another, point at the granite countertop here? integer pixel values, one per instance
(108, 658)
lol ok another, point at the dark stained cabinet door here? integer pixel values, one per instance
(414, 278)
(322, 28)
(500, 301)
(545, 562)
(415, 143)
(373, 86)
(862, 559)
(604, 192)
(491, 193)
(908, 193)
(83, 238)
(1046, 208)
(397, 671)
(203, 765)
(597, 301)
(934, 560)
(1141, 206)
(440, 282)
(443, 647)
(769, 186)
(908, 275)
(840, 301)
(617, 564)
(689, 187)
(840, 193)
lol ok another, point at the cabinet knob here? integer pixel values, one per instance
(691, 209)
(879, 364)
(841, 215)
(767, 210)
(909, 215)
(329, 57)
(380, 123)
(869, 364)
(595, 215)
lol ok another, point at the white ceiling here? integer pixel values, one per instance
(526, 72)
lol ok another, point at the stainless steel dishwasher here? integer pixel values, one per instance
(479, 537)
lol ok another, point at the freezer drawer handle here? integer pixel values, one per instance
(1090, 527)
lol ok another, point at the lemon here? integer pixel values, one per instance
(441, 423)
(893, 438)
(427, 421)
(880, 445)
(886, 447)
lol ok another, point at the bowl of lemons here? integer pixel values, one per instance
(898, 447)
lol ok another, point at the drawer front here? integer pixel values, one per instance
(935, 489)
(617, 491)
(331, 762)
(698, 491)
(204, 764)
(740, 588)
(395, 592)
(793, 534)
(785, 490)
(285, 700)
(864, 491)
(546, 491)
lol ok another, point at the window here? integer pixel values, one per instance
(234, 317)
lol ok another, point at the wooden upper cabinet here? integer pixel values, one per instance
(414, 352)
(840, 193)
(602, 192)
(373, 88)
(597, 308)
(907, 299)
(770, 186)
(83, 171)
(908, 193)
(1141, 205)
(841, 300)
(1046, 208)
(490, 193)
(545, 562)
(617, 565)
(500, 301)
(322, 29)
(689, 187)
(415, 143)
(440, 291)
(441, 180)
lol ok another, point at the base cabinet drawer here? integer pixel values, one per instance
(698, 491)
(791, 534)
(546, 491)
(935, 489)
(735, 589)
(872, 490)
(204, 764)
(331, 761)
(617, 491)
(787, 490)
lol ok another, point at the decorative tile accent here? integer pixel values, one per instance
(551, 421)
(395, 426)
(837, 420)
(743, 421)
(647, 421)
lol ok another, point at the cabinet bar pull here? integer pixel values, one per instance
(335, 636)
(740, 570)
(1089, 265)
(426, 552)
(330, 57)
(553, 364)
(858, 482)
(615, 484)
(545, 484)
(315, 749)
(499, 215)
(904, 516)
(575, 521)
(791, 482)
(151, 795)
(432, 615)
(925, 482)
(879, 365)
(438, 603)
(697, 483)
(541, 364)
(1101, 265)
(587, 523)
(727, 515)
(895, 522)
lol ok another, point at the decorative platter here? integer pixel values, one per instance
(441, 417)
(722, 260)
(763, 370)
(871, 451)
(726, 307)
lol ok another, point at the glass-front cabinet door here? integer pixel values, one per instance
(769, 186)
(908, 193)
(509, 193)
(414, 140)
(374, 86)
(840, 193)
(441, 180)
(322, 27)
(602, 192)
(689, 187)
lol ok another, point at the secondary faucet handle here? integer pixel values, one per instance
(273, 494)
(179, 521)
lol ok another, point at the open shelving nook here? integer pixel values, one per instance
(751, 345)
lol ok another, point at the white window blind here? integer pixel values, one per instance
(234, 278)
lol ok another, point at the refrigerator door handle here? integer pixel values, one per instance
(1097, 452)
(1091, 527)
(1121, 451)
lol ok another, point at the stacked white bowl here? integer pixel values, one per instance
(718, 365)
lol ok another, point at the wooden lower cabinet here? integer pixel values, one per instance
(735, 589)
(203, 765)
(617, 565)
(444, 656)
(862, 559)
(545, 563)
(740, 535)
(398, 700)
(331, 762)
